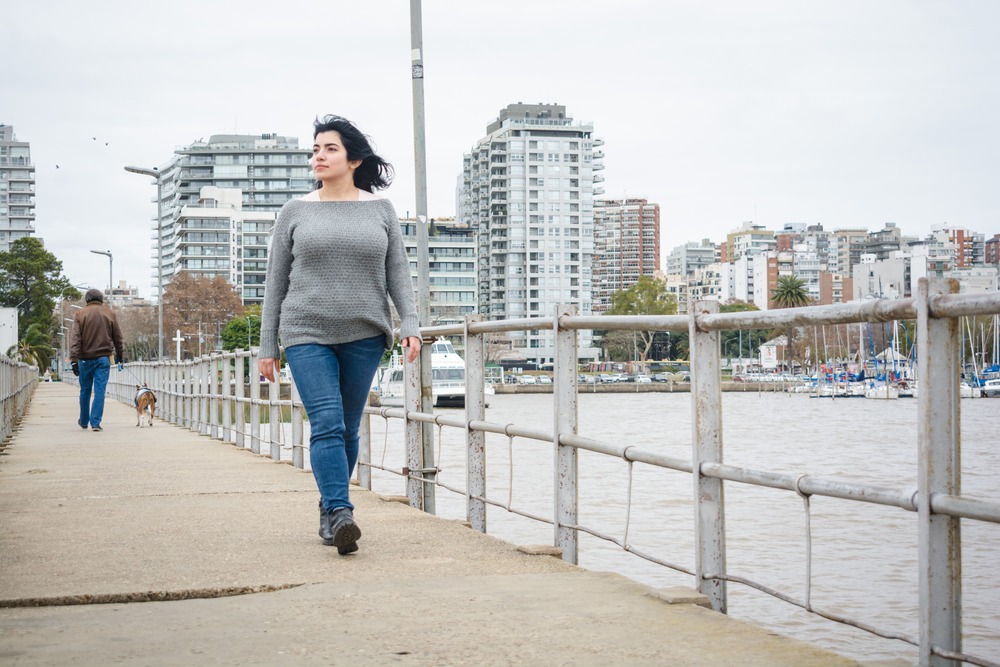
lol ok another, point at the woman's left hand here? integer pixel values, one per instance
(412, 343)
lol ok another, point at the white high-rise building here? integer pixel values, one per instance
(17, 188)
(685, 259)
(216, 237)
(266, 169)
(451, 253)
(527, 189)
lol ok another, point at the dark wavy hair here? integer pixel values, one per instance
(373, 173)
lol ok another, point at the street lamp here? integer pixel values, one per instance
(111, 264)
(153, 173)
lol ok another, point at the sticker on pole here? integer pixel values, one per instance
(418, 71)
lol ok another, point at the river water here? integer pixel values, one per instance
(864, 562)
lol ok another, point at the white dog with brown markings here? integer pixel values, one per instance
(145, 403)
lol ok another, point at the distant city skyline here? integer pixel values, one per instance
(847, 114)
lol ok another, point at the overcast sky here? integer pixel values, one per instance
(849, 113)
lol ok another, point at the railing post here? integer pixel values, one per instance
(172, 388)
(274, 417)
(706, 422)
(475, 441)
(239, 381)
(226, 390)
(298, 453)
(414, 449)
(939, 536)
(190, 395)
(254, 405)
(204, 395)
(564, 408)
(214, 382)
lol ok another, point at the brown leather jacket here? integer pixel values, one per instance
(96, 333)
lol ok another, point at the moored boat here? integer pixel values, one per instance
(448, 386)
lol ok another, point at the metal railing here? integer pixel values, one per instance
(936, 500)
(17, 385)
(220, 397)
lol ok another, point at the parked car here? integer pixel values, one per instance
(586, 379)
(608, 379)
(643, 379)
(543, 379)
(526, 379)
(662, 377)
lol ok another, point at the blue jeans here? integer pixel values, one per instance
(93, 376)
(333, 381)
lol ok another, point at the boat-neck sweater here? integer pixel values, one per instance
(332, 267)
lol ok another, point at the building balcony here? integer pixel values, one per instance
(598, 178)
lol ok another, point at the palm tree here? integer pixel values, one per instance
(790, 292)
(35, 348)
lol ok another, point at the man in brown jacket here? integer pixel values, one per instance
(96, 335)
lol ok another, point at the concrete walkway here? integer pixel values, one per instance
(157, 546)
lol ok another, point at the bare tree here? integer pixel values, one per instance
(199, 308)
(140, 327)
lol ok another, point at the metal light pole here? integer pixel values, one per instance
(153, 173)
(111, 264)
(423, 275)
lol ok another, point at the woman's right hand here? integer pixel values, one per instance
(269, 368)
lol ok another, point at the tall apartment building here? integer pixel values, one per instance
(834, 288)
(969, 247)
(626, 246)
(746, 279)
(845, 249)
(749, 239)
(216, 237)
(451, 252)
(527, 189)
(17, 188)
(991, 251)
(685, 259)
(884, 242)
(267, 170)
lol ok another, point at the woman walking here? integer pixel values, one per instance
(335, 260)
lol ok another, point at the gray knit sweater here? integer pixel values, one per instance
(331, 268)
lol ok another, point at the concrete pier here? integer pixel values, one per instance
(157, 546)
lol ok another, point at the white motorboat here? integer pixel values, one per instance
(449, 379)
(991, 389)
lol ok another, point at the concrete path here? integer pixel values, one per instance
(157, 546)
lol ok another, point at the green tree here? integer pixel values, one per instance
(31, 280)
(242, 332)
(790, 293)
(741, 343)
(34, 348)
(648, 296)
